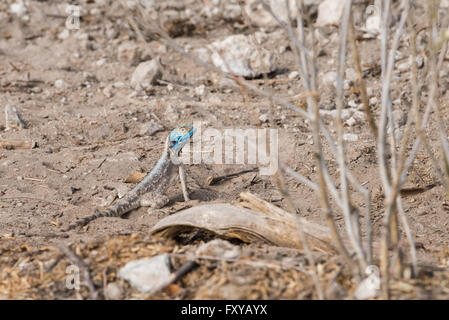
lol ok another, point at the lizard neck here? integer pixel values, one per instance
(159, 175)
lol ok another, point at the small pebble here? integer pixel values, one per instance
(352, 104)
(113, 291)
(59, 84)
(150, 128)
(263, 118)
(200, 90)
(293, 75)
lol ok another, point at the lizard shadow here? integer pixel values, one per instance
(203, 195)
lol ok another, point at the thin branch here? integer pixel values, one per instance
(72, 256)
(353, 230)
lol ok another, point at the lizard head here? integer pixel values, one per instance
(180, 136)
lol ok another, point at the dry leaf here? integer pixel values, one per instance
(11, 145)
(173, 289)
(135, 177)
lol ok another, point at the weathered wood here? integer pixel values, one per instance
(230, 221)
(11, 145)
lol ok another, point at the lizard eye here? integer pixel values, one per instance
(175, 141)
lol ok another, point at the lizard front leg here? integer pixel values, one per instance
(182, 177)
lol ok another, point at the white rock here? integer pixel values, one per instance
(100, 62)
(345, 113)
(404, 67)
(359, 116)
(241, 56)
(262, 18)
(330, 78)
(226, 9)
(352, 103)
(147, 275)
(351, 122)
(420, 62)
(219, 248)
(146, 74)
(200, 90)
(59, 83)
(330, 12)
(293, 75)
(350, 137)
(373, 21)
(150, 128)
(366, 290)
(18, 8)
(263, 118)
(282, 49)
(36, 89)
(113, 291)
(373, 101)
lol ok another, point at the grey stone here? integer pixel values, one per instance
(147, 275)
(113, 291)
(146, 74)
(330, 12)
(263, 118)
(330, 78)
(150, 128)
(261, 17)
(219, 248)
(241, 56)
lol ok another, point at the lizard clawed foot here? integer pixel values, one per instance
(149, 201)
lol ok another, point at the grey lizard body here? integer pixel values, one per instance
(150, 191)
